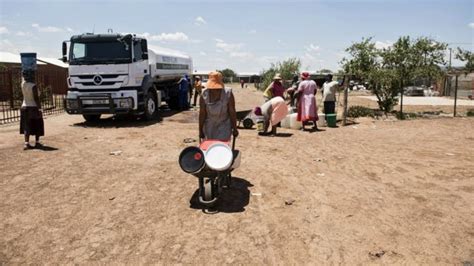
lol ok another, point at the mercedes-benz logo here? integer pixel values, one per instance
(97, 80)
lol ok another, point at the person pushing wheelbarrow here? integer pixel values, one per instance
(215, 158)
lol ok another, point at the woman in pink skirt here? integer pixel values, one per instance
(307, 109)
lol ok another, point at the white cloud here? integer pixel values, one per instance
(471, 25)
(218, 40)
(254, 31)
(69, 29)
(21, 33)
(4, 30)
(200, 21)
(240, 54)
(312, 48)
(46, 28)
(168, 37)
(309, 56)
(228, 47)
(202, 53)
(383, 45)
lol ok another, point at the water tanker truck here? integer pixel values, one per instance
(118, 74)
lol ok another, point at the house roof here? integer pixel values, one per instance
(247, 74)
(6, 57)
(53, 61)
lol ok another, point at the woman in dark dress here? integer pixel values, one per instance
(31, 121)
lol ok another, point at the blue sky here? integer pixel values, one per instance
(243, 35)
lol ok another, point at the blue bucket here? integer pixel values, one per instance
(28, 61)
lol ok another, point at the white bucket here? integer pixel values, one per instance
(218, 156)
(260, 123)
(285, 123)
(294, 124)
(322, 120)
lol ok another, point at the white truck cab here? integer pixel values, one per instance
(118, 74)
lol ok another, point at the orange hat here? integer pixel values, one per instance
(215, 80)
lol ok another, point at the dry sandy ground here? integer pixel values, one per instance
(375, 192)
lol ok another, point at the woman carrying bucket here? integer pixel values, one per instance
(217, 115)
(272, 112)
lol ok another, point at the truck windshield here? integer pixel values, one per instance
(108, 52)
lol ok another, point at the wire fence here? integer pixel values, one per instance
(51, 85)
(51, 105)
(453, 98)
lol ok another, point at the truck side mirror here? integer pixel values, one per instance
(144, 49)
(64, 52)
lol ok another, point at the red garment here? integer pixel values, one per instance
(278, 89)
(307, 109)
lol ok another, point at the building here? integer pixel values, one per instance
(51, 74)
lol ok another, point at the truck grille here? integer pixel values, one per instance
(109, 81)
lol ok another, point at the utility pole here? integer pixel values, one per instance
(450, 52)
(344, 114)
(401, 99)
(455, 94)
(449, 70)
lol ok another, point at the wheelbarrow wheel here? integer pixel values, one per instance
(228, 180)
(207, 195)
(248, 123)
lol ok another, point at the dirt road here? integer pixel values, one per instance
(374, 192)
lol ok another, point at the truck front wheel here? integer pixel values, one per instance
(151, 106)
(91, 118)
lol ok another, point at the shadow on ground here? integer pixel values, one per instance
(121, 121)
(231, 200)
(46, 148)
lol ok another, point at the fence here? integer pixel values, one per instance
(51, 85)
(50, 105)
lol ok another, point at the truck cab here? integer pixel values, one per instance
(112, 74)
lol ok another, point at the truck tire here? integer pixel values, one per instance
(91, 118)
(151, 106)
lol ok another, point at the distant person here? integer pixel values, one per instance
(190, 91)
(197, 88)
(183, 93)
(275, 89)
(242, 83)
(217, 115)
(273, 112)
(307, 109)
(31, 118)
(292, 90)
(329, 95)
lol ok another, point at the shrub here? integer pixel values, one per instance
(470, 112)
(360, 111)
(287, 69)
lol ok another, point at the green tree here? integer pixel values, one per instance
(287, 70)
(228, 74)
(386, 70)
(364, 59)
(466, 56)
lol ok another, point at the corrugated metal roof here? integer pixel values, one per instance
(53, 61)
(247, 74)
(6, 57)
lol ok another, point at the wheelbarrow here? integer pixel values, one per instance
(246, 118)
(212, 162)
